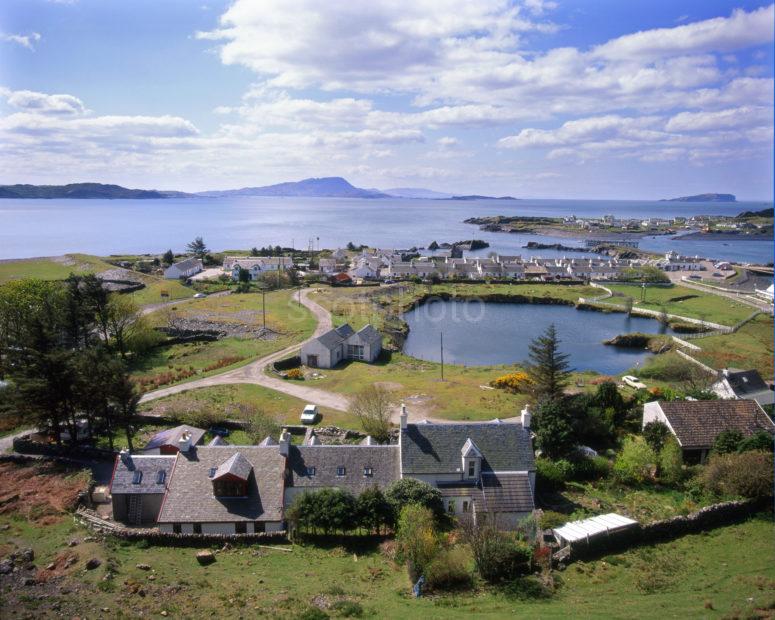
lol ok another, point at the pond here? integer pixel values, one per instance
(477, 333)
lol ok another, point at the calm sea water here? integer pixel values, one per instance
(483, 334)
(51, 227)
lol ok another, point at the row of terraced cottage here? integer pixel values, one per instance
(184, 486)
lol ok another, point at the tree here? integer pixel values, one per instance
(433, 246)
(374, 511)
(373, 406)
(168, 258)
(656, 433)
(198, 248)
(549, 370)
(727, 442)
(254, 251)
(760, 440)
(671, 462)
(417, 540)
(408, 491)
(636, 462)
(553, 429)
(243, 275)
(498, 556)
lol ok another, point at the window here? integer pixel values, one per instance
(212, 472)
(161, 476)
(230, 488)
(451, 506)
(465, 506)
(341, 471)
(241, 527)
(471, 469)
(355, 351)
(259, 526)
(311, 472)
(368, 472)
(176, 528)
(197, 528)
(137, 477)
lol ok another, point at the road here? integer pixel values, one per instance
(163, 304)
(254, 372)
(748, 300)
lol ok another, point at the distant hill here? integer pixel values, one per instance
(763, 213)
(327, 187)
(477, 197)
(416, 192)
(703, 198)
(76, 190)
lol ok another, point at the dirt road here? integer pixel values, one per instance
(254, 372)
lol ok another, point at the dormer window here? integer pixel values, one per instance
(230, 478)
(471, 459)
(472, 468)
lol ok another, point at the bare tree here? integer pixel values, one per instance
(373, 406)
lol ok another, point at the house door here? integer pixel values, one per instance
(312, 361)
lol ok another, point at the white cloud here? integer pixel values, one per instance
(25, 40)
(447, 142)
(746, 116)
(44, 104)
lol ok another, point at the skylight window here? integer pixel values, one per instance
(341, 471)
(137, 477)
(161, 476)
(368, 472)
(212, 472)
(311, 471)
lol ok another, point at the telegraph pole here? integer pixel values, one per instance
(441, 341)
(263, 305)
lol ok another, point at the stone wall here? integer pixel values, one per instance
(24, 445)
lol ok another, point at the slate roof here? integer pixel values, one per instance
(507, 493)
(745, 382)
(170, 436)
(236, 465)
(384, 461)
(149, 465)
(190, 496)
(188, 263)
(435, 448)
(369, 334)
(218, 440)
(697, 423)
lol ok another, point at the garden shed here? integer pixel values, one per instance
(592, 530)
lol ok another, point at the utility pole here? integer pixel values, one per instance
(263, 305)
(441, 340)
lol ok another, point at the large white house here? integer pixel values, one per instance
(183, 269)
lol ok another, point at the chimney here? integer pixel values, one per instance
(126, 458)
(526, 417)
(404, 417)
(184, 443)
(285, 442)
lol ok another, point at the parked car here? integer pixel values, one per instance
(634, 382)
(200, 295)
(695, 277)
(219, 430)
(310, 414)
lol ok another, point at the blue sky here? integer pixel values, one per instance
(535, 98)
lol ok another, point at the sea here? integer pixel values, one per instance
(30, 228)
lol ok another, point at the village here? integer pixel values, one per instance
(299, 422)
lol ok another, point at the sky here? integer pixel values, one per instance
(532, 98)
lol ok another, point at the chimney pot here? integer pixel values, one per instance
(526, 417)
(404, 417)
(184, 443)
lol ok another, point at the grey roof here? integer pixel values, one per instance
(745, 382)
(268, 441)
(331, 339)
(149, 465)
(384, 461)
(236, 465)
(369, 334)
(190, 496)
(187, 263)
(170, 436)
(435, 448)
(218, 440)
(507, 493)
(345, 331)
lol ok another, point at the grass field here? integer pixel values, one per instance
(685, 302)
(726, 573)
(55, 268)
(750, 347)
(286, 409)
(289, 322)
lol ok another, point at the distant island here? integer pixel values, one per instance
(77, 190)
(703, 198)
(326, 187)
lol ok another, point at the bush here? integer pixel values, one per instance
(295, 373)
(551, 519)
(636, 462)
(655, 433)
(552, 475)
(313, 613)
(347, 609)
(727, 442)
(760, 440)
(406, 491)
(449, 570)
(515, 382)
(739, 475)
(671, 462)
(498, 556)
(417, 540)
(328, 510)
(590, 468)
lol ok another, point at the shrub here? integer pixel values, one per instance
(347, 609)
(671, 462)
(739, 475)
(552, 475)
(514, 382)
(760, 440)
(636, 461)
(590, 468)
(727, 442)
(295, 373)
(551, 519)
(328, 510)
(406, 491)
(449, 570)
(417, 540)
(374, 510)
(313, 613)
(655, 433)
(498, 556)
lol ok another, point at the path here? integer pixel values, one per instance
(163, 304)
(254, 372)
(749, 300)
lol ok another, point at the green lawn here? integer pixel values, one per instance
(685, 302)
(290, 322)
(286, 409)
(728, 572)
(55, 268)
(750, 347)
